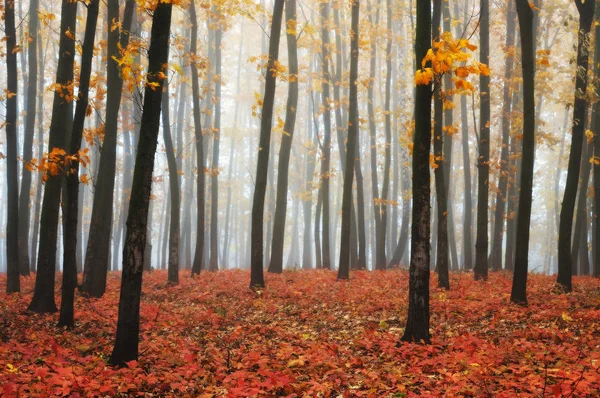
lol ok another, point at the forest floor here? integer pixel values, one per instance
(308, 335)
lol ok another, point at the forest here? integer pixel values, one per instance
(328, 198)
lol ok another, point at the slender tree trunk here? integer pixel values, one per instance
(596, 166)
(326, 159)
(258, 206)
(43, 295)
(197, 266)
(417, 323)
(283, 167)
(352, 143)
(483, 162)
(580, 236)
(225, 250)
(98, 247)
(128, 324)
(25, 197)
(175, 193)
(69, 280)
(519, 288)
(499, 215)
(565, 261)
(13, 283)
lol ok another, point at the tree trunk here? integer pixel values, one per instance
(352, 142)
(43, 295)
(565, 261)
(483, 161)
(519, 288)
(98, 248)
(499, 215)
(13, 283)
(283, 167)
(175, 193)
(580, 237)
(71, 200)
(128, 324)
(25, 197)
(417, 323)
(326, 159)
(596, 127)
(262, 167)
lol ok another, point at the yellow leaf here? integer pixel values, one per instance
(566, 317)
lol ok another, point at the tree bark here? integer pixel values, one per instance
(43, 295)
(519, 288)
(565, 261)
(417, 323)
(262, 167)
(352, 142)
(596, 166)
(128, 324)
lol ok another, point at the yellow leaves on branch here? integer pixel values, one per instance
(57, 162)
(450, 56)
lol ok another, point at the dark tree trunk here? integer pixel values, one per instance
(197, 266)
(565, 261)
(499, 215)
(43, 295)
(98, 247)
(326, 159)
(25, 198)
(13, 283)
(71, 199)
(417, 323)
(352, 142)
(175, 193)
(286, 145)
(596, 127)
(360, 210)
(262, 167)
(483, 161)
(214, 185)
(519, 288)
(128, 324)
(580, 237)
(443, 252)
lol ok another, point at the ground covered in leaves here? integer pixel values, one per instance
(309, 335)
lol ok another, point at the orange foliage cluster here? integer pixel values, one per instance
(309, 335)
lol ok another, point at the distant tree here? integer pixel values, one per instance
(198, 255)
(351, 144)
(286, 141)
(13, 283)
(443, 252)
(43, 295)
(24, 196)
(417, 323)
(128, 324)
(174, 189)
(260, 187)
(565, 261)
(501, 196)
(98, 247)
(483, 157)
(519, 288)
(71, 193)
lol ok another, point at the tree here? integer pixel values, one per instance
(43, 295)
(483, 159)
(128, 324)
(71, 193)
(12, 179)
(98, 247)
(262, 166)
(24, 196)
(596, 127)
(286, 141)
(565, 261)
(174, 191)
(417, 323)
(351, 144)
(501, 196)
(519, 287)
(197, 266)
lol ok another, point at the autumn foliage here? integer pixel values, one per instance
(310, 335)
